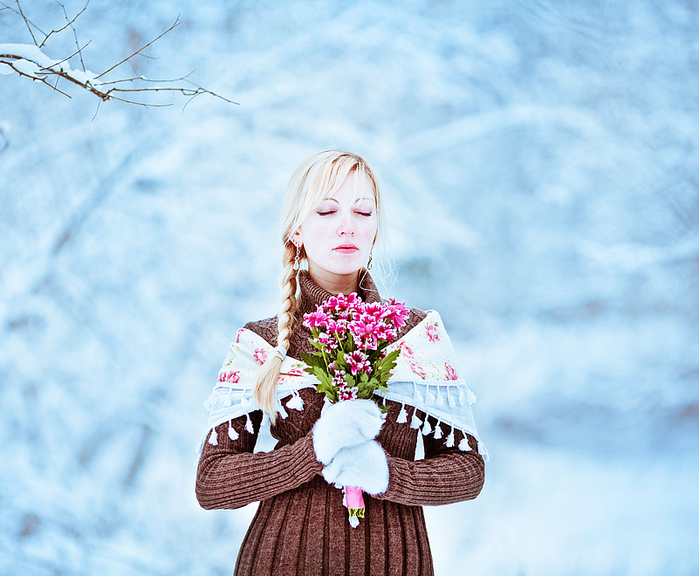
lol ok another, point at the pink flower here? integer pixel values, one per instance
(450, 372)
(338, 329)
(358, 362)
(345, 392)
(237, 336)
(334, 303)
(328, 341)
(315, 319)
(343, 307)
(296, 372)
(385, 332)
(374, 309)
(364, 331)
(233, 377)
(260, 356)
(396, 313)
(432, 333)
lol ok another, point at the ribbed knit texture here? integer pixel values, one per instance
(301, 525)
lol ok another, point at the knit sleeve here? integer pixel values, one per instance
(230, 475)
(445, 475)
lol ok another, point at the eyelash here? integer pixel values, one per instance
(365, 214)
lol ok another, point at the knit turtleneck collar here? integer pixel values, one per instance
(313, 295)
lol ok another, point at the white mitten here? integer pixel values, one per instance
(363, 465)
(343, 424)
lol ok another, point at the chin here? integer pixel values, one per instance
(339, 268)
(347, 270)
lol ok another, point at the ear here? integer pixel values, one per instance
(297, 239)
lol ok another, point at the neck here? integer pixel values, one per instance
(336, 283)
(311, 293)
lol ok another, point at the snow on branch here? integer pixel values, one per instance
(31, 61)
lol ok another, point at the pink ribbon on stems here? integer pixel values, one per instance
(354, 502)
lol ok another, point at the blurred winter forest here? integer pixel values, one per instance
(540, 161)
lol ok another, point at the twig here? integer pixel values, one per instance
(70, 23)
(26, 21)
(177, 23)
(49, 70)
(144, 79)
(37, 78)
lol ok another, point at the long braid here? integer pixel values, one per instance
(266, 384)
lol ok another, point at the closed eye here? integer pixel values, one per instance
(367, 214)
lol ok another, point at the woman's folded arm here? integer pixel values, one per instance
(231, 475)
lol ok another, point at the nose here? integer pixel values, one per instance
(346, 228)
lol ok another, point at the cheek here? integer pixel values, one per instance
(316, 234)
(369, 230)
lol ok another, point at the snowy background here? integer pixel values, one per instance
(540, 164)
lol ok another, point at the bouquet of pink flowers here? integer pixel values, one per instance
(350, 360)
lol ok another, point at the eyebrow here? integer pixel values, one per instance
(356, 201)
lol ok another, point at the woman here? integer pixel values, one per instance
(330, 225)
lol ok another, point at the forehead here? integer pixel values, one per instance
(357, 187)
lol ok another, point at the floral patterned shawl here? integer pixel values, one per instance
(425, 378)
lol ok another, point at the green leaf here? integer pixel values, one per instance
(313, 360)
(322, 375)
(318, 345)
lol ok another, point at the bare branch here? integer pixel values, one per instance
(19, 7)
(177, 23)
(144, 79)
(37, 66)
(191, 92)
(69, 24)
(36, 78)
(49, 69)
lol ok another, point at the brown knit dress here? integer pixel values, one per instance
(301, 525)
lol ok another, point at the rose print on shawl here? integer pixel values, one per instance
(286, 377)
(405, 350)
(260, 356)
(231, 376)
(295, 372)
(432, 332)
(450, 372)
(419, 370)
(411, 361)
(350, 360)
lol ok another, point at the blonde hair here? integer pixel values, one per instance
(317, 178)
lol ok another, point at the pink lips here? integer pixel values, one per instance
(346, 249)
